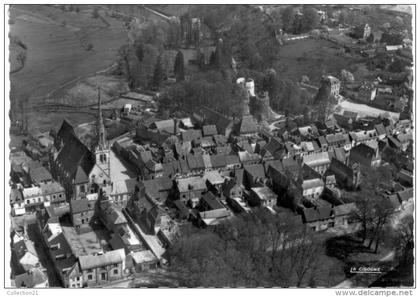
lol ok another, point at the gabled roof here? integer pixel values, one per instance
(344, 209)
(218, 161)
(76, 159)
(255, 171)
(195, 162)
(191, 135)
(209, 130)
(40, 174)
(380, 129)
(81, 205)
(340, 154)
(191, 184)
(317, 214)
(405, 195)
(111, 257)
(167, 126)
(316, 159)
(247, 125)
(211, 201)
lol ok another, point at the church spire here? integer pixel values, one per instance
(100, 124)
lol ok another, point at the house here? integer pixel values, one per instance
(312, 188)
(218, 161)
(405, 196)
(292, 167)
(191, 135)
(231, 188)
(195, 163)
(190, 189)
(247, 158)
(61, 254)
(209, 130)
(310, 147)
(319, 162)
(405, 177)
(322, 143)
(365, 156)
(213, 217)
(33, 278)
(335, 141)
(16, 202)
(54, 194)
(363, 136)
(247, 126)
(275, 148)
(262, 196)
(26, 255)
(214, 181)
(144, 260)
(122, 190)
(362, 31)
(232, 161)
(348, 177)
(33, 198)
(166, 126)
(318, 218)
(279, 179)
(254, 175)
(40, 175)
(82, 212)
(343, 214)
(209, 202)
(381, 131)
(111, 216)
(405, 139)
(101, 269)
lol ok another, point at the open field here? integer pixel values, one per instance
(57, 52)
(312, 57)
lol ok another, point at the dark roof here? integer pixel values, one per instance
(405, 195)
(191, 135)
(255, 171)
(81, 205)
(317, 214)
(218, 161)
(340, 169)
(209, 130)
(211, 201)
(220, 140)
(247, 125)
(40, 174)
(380, 129)
(15, 196)
(195, 161)
(361, 150)
(66, 131)
(322, 141)
(184, 211)
(276, 164)
(76, 159)
(232, 159)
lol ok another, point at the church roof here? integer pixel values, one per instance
(75, 158)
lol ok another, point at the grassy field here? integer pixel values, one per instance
(313, 58)
(57, 53)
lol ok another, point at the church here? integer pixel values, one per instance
(82, 171)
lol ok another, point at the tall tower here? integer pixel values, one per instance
(102, 151)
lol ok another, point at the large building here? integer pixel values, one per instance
(81, 170)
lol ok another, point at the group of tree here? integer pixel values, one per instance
(257, 249)
(298, 23)
(210, 88)
(374, 211)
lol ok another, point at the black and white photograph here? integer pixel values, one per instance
(208, 145)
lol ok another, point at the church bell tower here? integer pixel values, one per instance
(102, 151)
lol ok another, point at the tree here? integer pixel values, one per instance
(179, 66)
(310, 18)
(346, 76)
(288, 18)
(158, 74)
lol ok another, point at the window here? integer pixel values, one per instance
(59, 196)
(83, 221)
(115, 265)
(82, 189)
(103, 276)
(90, 277)
(28, 202)
(73, 285)
(104, 157)
(115, 271)
(330, 224)
(78, 278)
(89, 270)
(101, 158)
